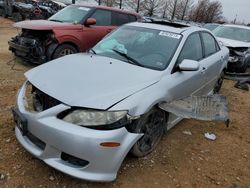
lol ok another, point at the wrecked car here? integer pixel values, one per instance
(81, 114)
(237, 39)
(75, 28)
(29, 9)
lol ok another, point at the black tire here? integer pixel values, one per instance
(152, 124)
(1, 11)
(64, 49)
(219, 83)
(17, 17)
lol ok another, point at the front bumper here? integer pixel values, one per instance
(83, 143)
(239, 66)
(32, 53)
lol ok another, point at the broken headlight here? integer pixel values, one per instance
(94, 117)
(233, 59)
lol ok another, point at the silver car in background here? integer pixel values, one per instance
(82, 113)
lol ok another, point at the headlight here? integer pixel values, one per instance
(233, 59)
(94, 117)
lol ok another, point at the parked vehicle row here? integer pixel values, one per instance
(82, 113)
(29, 9)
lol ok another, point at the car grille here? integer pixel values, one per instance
(39, 143)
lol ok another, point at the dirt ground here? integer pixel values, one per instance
(180, 160)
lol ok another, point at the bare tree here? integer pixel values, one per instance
(152, 7)
(207, 11)
(134, 4)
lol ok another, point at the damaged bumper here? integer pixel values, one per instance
(69, 148)
(29, 50)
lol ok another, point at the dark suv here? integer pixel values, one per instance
(75, 28)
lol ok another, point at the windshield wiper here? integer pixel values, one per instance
(55, 20)
(130, 59)
(92, 50)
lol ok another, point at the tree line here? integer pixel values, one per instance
(205, 11)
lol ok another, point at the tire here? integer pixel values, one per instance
(64, 49)
(1, 11)
(219, 83)
(17, 17)
(152, 124)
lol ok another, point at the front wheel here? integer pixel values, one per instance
(64, 49)
(152, 125)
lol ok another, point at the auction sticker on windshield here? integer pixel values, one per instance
(168, 34)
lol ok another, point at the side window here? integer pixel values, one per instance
(102, 17)
(119, 18)
(192, 49)
(210, 45)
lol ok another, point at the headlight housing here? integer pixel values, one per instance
(91, 118)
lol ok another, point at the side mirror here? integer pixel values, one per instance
(189, 65)
(90, 21)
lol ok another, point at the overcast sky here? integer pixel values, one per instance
(239, 7)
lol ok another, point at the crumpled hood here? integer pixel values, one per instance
(84, 80)
(233, 43)
(45, 25)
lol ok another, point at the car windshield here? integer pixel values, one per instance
(145, 47)
(233, 33)
(71, 14)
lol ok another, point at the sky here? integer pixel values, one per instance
(241, 8)
(231, 8)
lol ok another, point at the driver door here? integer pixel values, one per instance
(186, 83)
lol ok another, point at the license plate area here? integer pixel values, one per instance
(21, 121)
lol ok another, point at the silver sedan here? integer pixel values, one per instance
(81, 114)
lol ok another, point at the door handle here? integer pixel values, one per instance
(203, 70)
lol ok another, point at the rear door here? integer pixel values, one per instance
(212, 62)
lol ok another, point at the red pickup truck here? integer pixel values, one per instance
(75, 28)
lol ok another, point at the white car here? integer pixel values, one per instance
(237, 39)
(83, 113)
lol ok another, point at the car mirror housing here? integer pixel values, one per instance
(90, 21)
(189, 65)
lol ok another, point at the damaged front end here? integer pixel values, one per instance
(33, 46)
(239, 59)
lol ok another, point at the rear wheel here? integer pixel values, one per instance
(219, 83)
(64, 49)
(152, 125)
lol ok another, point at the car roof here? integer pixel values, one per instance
(237, 26)
(107, 8)
(166, 26)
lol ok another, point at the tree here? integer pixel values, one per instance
(207, 11)
(152, 7)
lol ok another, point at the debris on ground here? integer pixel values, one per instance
(210, 136)
(187, 133)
